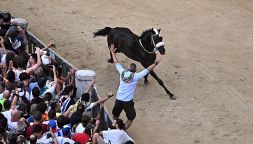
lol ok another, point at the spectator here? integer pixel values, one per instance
(51, 85)
(6, 21)
(10, 81)
(128, 83)
(34, 62)
(84, 122)
(37, 116)
(42, 107)
(21, 140)
(3, 126)
(18, 66)
(66, 135)
(24, 77)
(83, 137)
(6, 96)
(35, 93)
(68, 98)
(12, 138)
(117, 136)
(2, 88)
(42, 85)
(51, 116)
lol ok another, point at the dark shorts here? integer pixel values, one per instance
(128, 107)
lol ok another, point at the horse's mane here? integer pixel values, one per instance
(146, 32)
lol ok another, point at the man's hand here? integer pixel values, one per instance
(72, 71)
(54, 68)
(110, 94)
(158, 58)
(51, 45)
(112, 49)
(93, 81)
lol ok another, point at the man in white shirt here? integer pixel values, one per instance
(114, 136)
(128, 82)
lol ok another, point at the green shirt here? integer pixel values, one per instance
(2, 103)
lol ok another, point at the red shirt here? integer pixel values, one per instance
(83, 138)
(29, 129)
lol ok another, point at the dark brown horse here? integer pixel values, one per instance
(139, 48)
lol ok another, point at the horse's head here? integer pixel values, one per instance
(154, 40)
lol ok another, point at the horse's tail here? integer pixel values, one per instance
(102, 32)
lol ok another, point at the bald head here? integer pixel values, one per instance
(15, 115)
(6, 94)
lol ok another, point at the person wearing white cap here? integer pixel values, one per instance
(128, 82)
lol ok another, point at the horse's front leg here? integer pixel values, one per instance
(146, 76)
(146, 79)
(162, 84)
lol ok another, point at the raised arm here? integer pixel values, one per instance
(23, 34)
(115, 59)
(55, 76)
(2, 44)
(49, 45)
(33, 68)
(102, 100)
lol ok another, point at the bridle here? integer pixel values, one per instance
(156, 46)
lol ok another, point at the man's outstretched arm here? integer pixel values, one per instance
(157, 61)
(114, 58)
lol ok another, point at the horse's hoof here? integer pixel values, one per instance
(145, 82)
(173, 97)
(110, 61)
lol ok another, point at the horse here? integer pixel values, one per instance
(141, 48)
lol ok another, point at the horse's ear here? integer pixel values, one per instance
(159, 30)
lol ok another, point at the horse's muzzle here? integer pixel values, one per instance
(161, 49)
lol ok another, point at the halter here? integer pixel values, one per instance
(156, 46)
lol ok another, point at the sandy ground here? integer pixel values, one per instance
(208, 62)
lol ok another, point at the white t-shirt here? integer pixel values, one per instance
(1, 96)
(51, 88)
(27, 95)
(62, 140)
(11, 125)
(17, 73)
(80, 128)
(7, 114)
(126, 90)
(116, 136)
(3, 59)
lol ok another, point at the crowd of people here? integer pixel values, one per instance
(38, 104)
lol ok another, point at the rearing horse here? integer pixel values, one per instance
(139, 48)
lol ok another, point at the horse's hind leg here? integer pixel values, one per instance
(110, 60)
(162, 84)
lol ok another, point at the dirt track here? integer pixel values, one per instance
(208, 62)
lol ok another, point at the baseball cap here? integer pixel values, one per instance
(65, 130)
(52, 124)
(127, 76)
